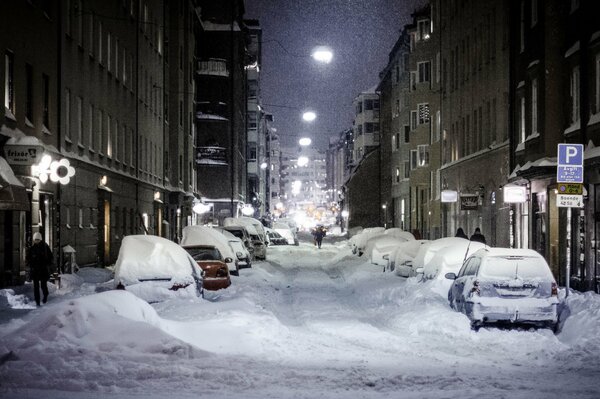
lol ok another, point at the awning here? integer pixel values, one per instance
(13, 195)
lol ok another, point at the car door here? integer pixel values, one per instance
(457, 286)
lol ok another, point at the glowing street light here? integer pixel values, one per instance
(322, 54)
(305, 141)
(309, 116)
(302, 161)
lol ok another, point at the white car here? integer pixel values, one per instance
(380, 247)
(151, 266)
(287, 233)
(203, 235)
(402, 257)
(505, 285)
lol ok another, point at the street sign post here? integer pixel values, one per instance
(569, 168)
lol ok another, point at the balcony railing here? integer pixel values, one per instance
(213, 66)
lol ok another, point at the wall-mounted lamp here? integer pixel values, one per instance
(103, 180)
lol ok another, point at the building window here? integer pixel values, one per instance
(9, 82)
(424, 70)
(97, 143)
(398, 109)
(406, 133)
(368, 105)
(29, 93)
(424, 29)
(534, 12)
(67, 115)
(108, 52)
(435, 136)
(46, 98)
(106, 145)
(90, 138)
(358, 107)
(413, 80)
(597, 96)
(574, 94)
(407, 169)
(397, 177)
(252, 120)
(91, 34)
(79, 115)
(423, 113)
(413, 159)
(413, 120)
(423, 155)
(397, 141)
(534, 106)
(522, 121)
(522, 28)
(79, 11)
(100, 42)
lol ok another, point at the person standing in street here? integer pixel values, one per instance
(461, 233)
(477, 236)
(319, 234)
(39, 260)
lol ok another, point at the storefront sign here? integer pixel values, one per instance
(569, 201)
(514, 194)
(18, 154)
(449, 196)
(570, 188)
(468, 202)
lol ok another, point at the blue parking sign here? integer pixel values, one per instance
(569, 168)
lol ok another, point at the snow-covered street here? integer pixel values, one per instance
(306, 323)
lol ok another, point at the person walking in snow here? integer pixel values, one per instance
(477, 236)
(39, 259)
(461, 233)
(319, 234)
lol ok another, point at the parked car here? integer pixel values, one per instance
(505, 285)
(244, 257)
(402, 257)
(216, 273)
(275, 238)
(257, 234)
(242, 233)
(146, 262)
(286, 232)
(203, 235)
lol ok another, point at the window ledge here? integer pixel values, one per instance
(28, 123)
(45, 130)
(9, 115)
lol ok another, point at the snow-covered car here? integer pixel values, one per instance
(428, 250)
(505, 285)
(448, 260)
(359, 241)
(216, 273)
(149, 264)
(286, 232)
(275, 238)
(203, 235)
(242, 233)
(244, 257)
(256, 231)
(402, 257)
(380, 247)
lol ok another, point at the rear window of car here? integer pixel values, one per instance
(204, 253)
(525, 267)
(237, 233)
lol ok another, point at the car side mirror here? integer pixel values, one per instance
(450, 276)
(228, 260)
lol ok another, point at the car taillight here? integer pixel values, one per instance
(475, 289)
(222, 272)
(554, 289)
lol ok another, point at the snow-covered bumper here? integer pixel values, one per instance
(540, 311)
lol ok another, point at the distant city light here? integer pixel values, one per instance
(302, 161)
(305, 141)
(263, 165)
(322, 54)
(309, 116)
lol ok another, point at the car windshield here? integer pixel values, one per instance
(204, 253)
(525, 267)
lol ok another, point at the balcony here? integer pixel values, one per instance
(211, 110)
(213, 67)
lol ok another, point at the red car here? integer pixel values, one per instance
(214, 267)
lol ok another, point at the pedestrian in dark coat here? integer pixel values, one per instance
(461, 233)
(319, 234)
(477, 236)
(39, 260)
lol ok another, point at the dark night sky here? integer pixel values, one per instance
(361, 34)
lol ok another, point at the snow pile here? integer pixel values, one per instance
(8, 298)
(94, 274)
